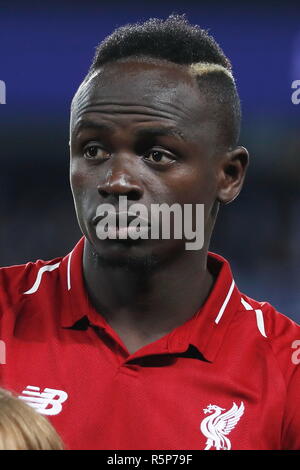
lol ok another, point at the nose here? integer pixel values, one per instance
(121, 180)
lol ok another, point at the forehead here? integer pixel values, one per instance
(133, 90)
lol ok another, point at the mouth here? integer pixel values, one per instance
(117, 226)
(121, 219)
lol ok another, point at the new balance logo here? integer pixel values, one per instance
(49, 402)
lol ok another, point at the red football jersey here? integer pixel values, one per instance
(228, 378)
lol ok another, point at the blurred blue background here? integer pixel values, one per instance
(45, 51)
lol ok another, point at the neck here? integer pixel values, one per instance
(149, 302)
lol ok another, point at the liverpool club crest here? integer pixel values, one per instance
(219, 424)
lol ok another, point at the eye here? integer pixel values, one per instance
(159, 156)
(95, 152)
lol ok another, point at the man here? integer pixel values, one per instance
(141, 343)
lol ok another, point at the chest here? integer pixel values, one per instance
(96, 400)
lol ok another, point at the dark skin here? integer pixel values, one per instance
(144, 289)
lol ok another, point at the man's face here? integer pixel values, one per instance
(143, 131)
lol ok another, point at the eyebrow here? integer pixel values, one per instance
(155, 131)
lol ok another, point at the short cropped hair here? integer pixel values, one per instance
(176, 40)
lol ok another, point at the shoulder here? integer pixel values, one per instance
(270, 321)
(24, 278)
(281, 333)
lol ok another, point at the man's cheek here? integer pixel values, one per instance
(78, 183)
(81, 186)
(78, 176)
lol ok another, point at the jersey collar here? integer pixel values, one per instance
(205, 330)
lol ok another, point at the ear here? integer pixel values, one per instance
(232, 170)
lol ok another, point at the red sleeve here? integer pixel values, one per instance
(291, 422)
(284, 336)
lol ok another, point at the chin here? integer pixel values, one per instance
(129, 257)
(143, 255)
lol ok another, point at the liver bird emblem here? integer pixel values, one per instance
(218, 425)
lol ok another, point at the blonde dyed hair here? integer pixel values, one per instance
(203, 68)
(22, 428)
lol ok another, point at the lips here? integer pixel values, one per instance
(127, 217)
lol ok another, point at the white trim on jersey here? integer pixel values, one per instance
(260, 322)
(221, 311)
(259, 317)
(36, 285)
(69, 271)
(246, 305)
